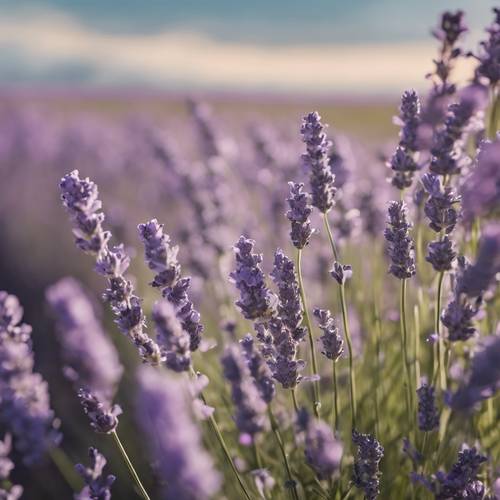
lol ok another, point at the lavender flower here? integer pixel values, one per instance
(24, 397)
(403, 162)
(481, 189)
(161, 256)
(97, 486)
(441, 254)
(480, 275)
(172, 338)
(103, 417)
(484, 378)
(489, 58)
(259, 370)
(461, 481)
(400, 243)
(323, 452)
(255, 298)
(174, 440)
(263, 480)
(13, 492)
(341, 273)
(451, 28)
(250, 407)
(91, 359)
(333, 345)
(298, 215)
(316, 160)
(366, 475)
(80, 197)
(289, 305)
(428, 417)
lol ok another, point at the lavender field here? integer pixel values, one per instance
(225, 295)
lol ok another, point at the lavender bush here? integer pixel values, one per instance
(244, 370)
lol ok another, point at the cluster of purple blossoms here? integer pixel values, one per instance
(102, 415)
(428, 417)
(24, 397)
(460, 312)
(259, 369)
(489, 58)
(171, 336)
(401, 246)
(366, 474)
(316, 161)
(80, 197)
(251, 409)
(323, 451)
(90, 358)
(164, 416)
(484, 379)
(298, 215)
(461, 481)
(481, 189)
(403, 161)
(97, 486)
(289, 305)
(331, 340)
(13, 492)
(255, 298)
(341, 272)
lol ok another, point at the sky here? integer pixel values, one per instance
(331, 46)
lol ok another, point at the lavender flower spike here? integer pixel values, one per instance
(160, 255)
(333, 345)
(174, 440)
(255, 298)
(401, 247)
(428, 418)
(90, 357)
(13, 492)
(25, 404)
(172, 338)
(103, 418)
(298, 215)
(316, 160)
(80, 197)
(366, 474)
(250, 407)
(441, 254)
(97, 486)
(323, 452)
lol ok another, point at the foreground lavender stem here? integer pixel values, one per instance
(317, 402)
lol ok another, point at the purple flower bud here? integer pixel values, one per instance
(164, 416)
(255, 297)
(489, 58)
(8, 491)
(298, 215)
(341, 273)
(97, 486)
(172, 338)
(250, 408)
(264, 482)
(366, 475)
(91, 359)
(103, 417)
(400, 243)
(428, 417)
(160, 255)
(333, 345)
(316, 161)
(441, 254)
(451, 28)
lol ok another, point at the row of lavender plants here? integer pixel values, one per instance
(361, 360)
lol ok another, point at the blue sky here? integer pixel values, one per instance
(222, 44)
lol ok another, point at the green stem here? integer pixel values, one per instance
(493, 125)
(377, 367)
(294, 399)
(440, 347)
(352, 380)
(330, 237)
(66, 468)
(317, 401)
(281, 445)
(223, 445)
(131, 468)
(335, 398)
(404, 348)
(256, 454)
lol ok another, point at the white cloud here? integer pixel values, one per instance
(174, 59)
